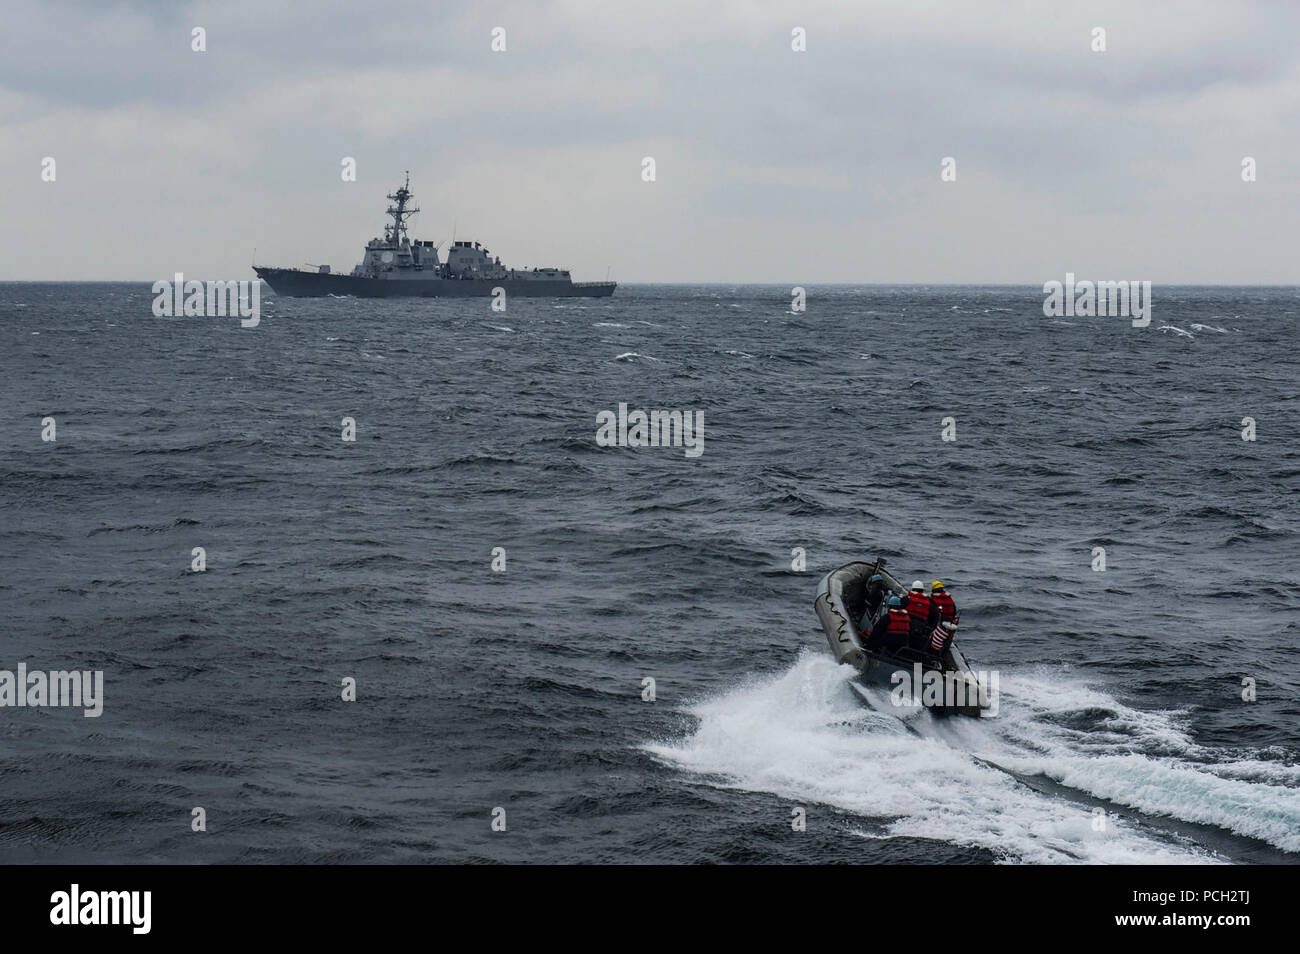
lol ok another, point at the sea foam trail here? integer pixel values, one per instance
(1088, 741)
(803, 735)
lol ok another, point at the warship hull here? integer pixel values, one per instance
(299, 283)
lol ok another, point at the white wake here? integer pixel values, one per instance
(804, 736)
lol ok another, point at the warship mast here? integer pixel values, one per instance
(395, 233)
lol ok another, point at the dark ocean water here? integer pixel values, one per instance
(522, 690)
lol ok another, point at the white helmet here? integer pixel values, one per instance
(918, 585)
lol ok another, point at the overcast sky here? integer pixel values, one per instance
(772, 165)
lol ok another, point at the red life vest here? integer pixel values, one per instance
(918, 606)
(899, 624)
(947, 608)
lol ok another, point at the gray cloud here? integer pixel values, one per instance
(773, 165)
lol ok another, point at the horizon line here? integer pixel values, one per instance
(764, 284)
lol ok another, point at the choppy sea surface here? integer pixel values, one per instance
(1122, 733)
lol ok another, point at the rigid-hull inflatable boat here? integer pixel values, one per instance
(946, 685)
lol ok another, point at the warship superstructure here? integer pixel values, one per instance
(395, 266)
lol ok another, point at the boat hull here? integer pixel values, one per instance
(297, 283)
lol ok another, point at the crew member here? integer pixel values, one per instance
(918, 609)
(875, 593)
(939, 598)
(891, 630)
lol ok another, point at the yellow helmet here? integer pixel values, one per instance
(937, 585)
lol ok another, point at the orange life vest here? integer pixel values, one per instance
(947, 608)
(918, 607)
(899, 623)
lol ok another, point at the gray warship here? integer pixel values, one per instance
(397, 267)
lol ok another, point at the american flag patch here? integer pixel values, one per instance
(938, 637)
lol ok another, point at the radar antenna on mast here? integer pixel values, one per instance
(396, 232)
